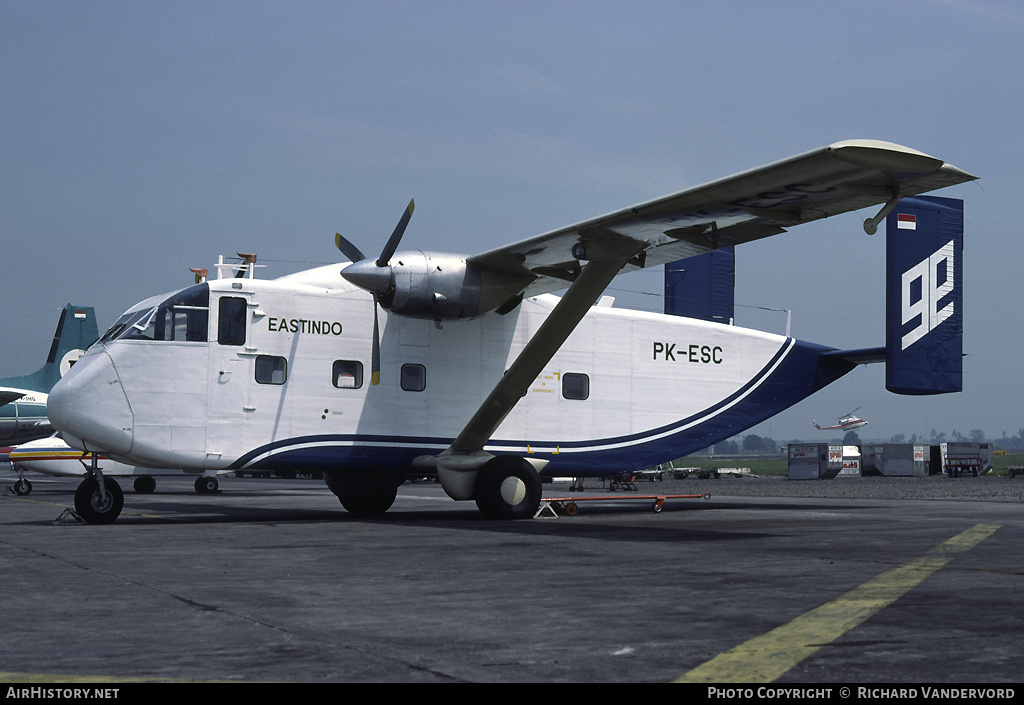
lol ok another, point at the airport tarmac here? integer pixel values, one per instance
(270, 580)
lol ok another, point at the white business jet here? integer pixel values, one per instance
(469, 367)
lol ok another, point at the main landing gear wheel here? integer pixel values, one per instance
(364, 494)
(95, 506)
(206, 485)
(508, 488)
(144, 484)
(369, 503)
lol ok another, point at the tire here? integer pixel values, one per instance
(370, 504)
(144, 484)
(364, 494)
(22, 486)
(206, 485)
(90, 504)
(508, 488)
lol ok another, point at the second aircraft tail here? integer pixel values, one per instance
(76, 330)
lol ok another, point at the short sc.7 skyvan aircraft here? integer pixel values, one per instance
(412, 363)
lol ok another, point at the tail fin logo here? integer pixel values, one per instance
(924, 287)
(69, 359)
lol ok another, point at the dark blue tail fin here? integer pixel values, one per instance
(76, 330)
(924, 296)
(702, 286)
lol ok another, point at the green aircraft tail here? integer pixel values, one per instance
(76, 330)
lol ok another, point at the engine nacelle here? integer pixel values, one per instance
(431, 285)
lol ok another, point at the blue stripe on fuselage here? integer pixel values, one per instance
(796, 371)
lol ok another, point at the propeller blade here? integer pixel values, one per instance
(375, 278)
(348, 249)
(375, 358)
(396, 236)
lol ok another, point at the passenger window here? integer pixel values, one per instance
(414, 378)
(271, 369)
(347, 374)
(231, 321)
(575, 385)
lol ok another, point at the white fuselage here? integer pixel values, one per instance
(291, 386)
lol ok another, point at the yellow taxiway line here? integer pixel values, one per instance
(767, 657)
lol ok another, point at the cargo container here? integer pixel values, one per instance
(815, 461)
(895, 459)
(851, 462)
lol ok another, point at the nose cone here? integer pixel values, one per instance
(367, 275)
(89, 404)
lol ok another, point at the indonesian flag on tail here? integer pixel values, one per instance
(906, 221)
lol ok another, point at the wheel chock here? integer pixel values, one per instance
(63, 518)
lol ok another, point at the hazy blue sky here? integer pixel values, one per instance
(138, 139)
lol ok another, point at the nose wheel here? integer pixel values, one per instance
(23, 486)
(99, 501)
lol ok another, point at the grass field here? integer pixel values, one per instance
(779, 465)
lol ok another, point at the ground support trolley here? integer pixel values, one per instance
(957, 465)
(553, 505)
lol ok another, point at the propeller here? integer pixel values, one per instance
(348, 249)
(376, 277)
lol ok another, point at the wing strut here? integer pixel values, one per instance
(871, 224)
(466, 452)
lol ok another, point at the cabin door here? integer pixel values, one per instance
(230, 376)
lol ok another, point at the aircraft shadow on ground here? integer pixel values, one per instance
(641, 523)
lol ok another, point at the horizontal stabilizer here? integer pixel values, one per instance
(862, 356)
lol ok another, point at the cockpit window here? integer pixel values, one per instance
(118, 327)
(184, 316)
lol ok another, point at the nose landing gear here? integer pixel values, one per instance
(98, 500)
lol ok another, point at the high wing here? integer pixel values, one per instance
(842, 177)
(558, 325)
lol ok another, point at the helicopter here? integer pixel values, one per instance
(847, 422)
